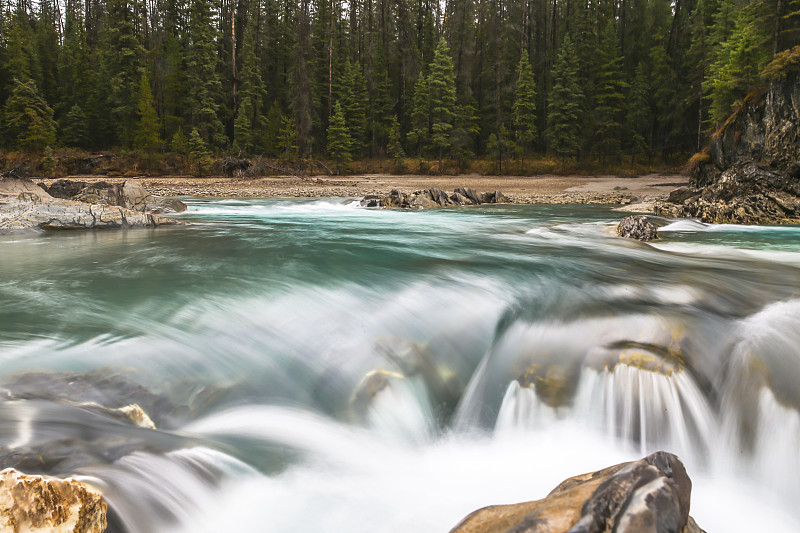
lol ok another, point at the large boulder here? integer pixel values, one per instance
(26, 206)
(433, 198)
(129, 194)
(637, 227)
(38, 504)
(652, 495)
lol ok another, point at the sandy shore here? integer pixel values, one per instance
(521, 189)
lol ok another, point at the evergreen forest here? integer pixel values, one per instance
(601, 80)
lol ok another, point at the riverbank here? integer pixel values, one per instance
(547, 189)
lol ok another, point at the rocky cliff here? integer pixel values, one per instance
(750, 172)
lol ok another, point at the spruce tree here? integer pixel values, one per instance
(198, 151)
(395, 145)
(27, 119)
(287, 138)
(442, 95)
(525, 104)
(563, 119)
(242, 127)
(420, 115)
(205, 88)
(75, 128)
(339, 140)
(353, 99)
(146, 138)
(609, 100)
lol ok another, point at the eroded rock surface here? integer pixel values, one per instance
(651, 495)
(38, 504)
(26, 206)
(637, 227)
(130, 194)
(434, 198)
(750, 172)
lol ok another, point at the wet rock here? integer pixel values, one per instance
(434, 198)
(472, 197)
(553, 384)
(422, 200)
(26, 206)
(637, 227)
(33, 504)
(371, 200)
(649, 495)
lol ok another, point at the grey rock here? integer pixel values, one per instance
(637, 227)
(130, 194)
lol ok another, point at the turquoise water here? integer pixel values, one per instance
(362, 363)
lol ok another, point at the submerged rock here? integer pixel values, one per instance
(637, 227)
(649, 495)
(25, 206)
(34, 504)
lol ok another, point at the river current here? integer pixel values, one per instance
(310, 365)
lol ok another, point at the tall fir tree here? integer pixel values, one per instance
(205, 87)
(75, 128)
(609, 98)
(525, 104)
(146, 138)
(353, 100)
(420, 115)
(339, 140)
(442, 96)
(563, 119)
(28, 122)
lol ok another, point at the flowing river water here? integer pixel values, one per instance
(315, 366)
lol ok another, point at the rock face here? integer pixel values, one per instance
(33, 504)
(129, 194)
(637, 227)
(434, 198)
(750, 173)
(25, 206)
(651, 495)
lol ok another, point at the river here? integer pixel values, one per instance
(315, 366)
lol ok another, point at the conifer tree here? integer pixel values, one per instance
(252, 92)
(420, 115)
(75, 128)
(287, 137)
(563, 119)
(353, 100)
(27, 119)
(178, 143)
(442, 95)
(525, 104)
(608, 99)
(637, 114)
(205, 87)
(146, 138)
(395, 145)
(242, 128)
(339, 140)
(198, 151)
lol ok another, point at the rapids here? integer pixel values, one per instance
(315, 366)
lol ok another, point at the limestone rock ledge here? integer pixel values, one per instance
(651, 495)
(34, 504)
(26, 206)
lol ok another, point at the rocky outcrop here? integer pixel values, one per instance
(637, 227)
(651, 495)
(38, 504)
(750, 172)
(26, 206)
(434, 198)
(130, 194)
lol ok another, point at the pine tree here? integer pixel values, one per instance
(637, 115)
(27, 118)
(525, 104)
(199, 152)
(178, 143)
(609, 100)
(146, 138)
(205, 88)
(339, 140)
(287, 138)
(75, 128)
(563, 119)
(442, 95)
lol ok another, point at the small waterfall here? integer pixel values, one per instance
(651, 409)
